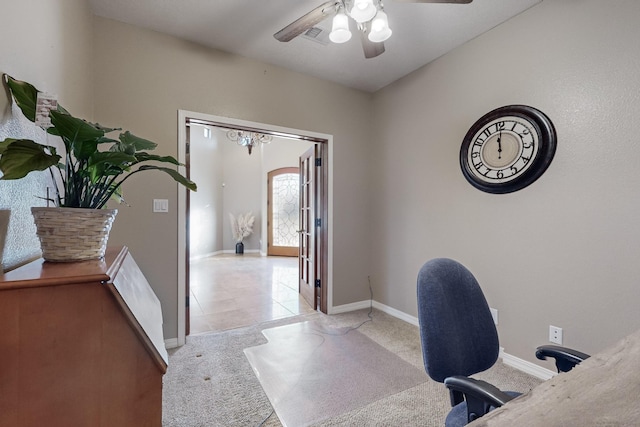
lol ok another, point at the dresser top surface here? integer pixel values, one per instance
(41, 273)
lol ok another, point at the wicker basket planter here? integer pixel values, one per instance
(73, 234)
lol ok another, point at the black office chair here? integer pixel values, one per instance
(459, 339)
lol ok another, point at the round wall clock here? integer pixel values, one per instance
(507, 149)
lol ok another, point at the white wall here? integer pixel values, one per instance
(242, 191)
(562, 251)
(206, 208)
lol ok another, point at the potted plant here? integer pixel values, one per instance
(241, 227)
(85, 176)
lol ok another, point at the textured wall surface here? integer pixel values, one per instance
(21, 243)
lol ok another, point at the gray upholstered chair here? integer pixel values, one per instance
(459, 339)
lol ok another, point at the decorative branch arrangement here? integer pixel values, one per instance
(242, 226)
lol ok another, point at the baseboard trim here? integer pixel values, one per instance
(226, 251)
(527, 367)
(203, 256)
(171, 343)
(345, 308)
(396, 313)
(507, 359)
(246, 251)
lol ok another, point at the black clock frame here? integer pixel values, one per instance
(547, 139)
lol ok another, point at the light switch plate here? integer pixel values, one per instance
(160, 205)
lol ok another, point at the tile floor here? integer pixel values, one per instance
(231, 291)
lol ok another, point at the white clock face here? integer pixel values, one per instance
(503, 149)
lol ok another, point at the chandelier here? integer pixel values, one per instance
(248, 139)
(366, 14)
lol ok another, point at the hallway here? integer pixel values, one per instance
(230, 291)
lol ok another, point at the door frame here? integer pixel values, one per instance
(325, 142)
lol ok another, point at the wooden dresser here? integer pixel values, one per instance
(81, 344)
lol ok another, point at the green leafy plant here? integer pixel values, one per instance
(93, 166)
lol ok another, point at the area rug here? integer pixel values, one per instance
(210, 383)
(312, 372)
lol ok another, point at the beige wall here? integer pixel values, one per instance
(141, 80)
(563, 251)
(47, 43)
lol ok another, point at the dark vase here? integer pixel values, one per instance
(240, 248)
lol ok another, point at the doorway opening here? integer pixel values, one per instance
(216, 228)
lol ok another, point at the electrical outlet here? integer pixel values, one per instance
(555, 335)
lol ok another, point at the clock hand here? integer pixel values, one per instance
(500, 145)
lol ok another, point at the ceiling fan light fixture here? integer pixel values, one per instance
(340, 30)
(363, 11)
(380, 30)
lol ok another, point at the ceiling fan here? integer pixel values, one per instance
(368, 14)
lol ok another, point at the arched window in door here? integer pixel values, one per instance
(283, 210)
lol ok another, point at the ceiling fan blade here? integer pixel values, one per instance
(435, 1)
(371, 49)
(307, 21)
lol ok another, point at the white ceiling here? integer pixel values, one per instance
(421, 32)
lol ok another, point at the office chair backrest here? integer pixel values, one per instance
(457, 332)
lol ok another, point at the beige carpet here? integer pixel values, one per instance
(311, 373)
(210, 382)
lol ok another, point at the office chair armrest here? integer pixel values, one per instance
(566, 358)
(481, 396)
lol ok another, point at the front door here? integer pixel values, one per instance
(283, 212)
(307, 233)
